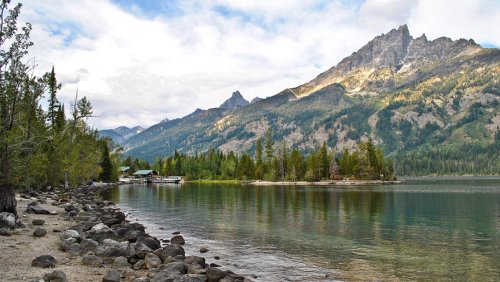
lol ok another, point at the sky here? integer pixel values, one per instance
(139, 62)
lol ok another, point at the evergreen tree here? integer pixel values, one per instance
(106, 174)
(54, 105)
(269, 145)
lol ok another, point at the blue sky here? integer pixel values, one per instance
(141, 61)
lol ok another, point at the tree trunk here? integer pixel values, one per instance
(8, 201)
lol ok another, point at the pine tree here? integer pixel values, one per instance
(269, 145)
(106, 174)
(54, 104)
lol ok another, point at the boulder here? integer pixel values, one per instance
(215, 274)
(203, 250)
(7, 220)
(100, 232)
(88, 246)
(191, 278)
(44, 261)
(55, 276)
(5, 232)
(38, 222)
(36, 209)
(170, 251)
(163, 276)
(112, 248)
(178, 239)
(195, 268)
(92, 260)
(141, 264)
(132, 235)
(152, 261)
(70, 234)
(75, 249)
(65, 244)
(177, 267)
(149, 241)
(141, 250)
(111, 275)
(121, 262)
(195, 259)
(39, 232)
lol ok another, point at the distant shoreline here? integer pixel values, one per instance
(326, 183)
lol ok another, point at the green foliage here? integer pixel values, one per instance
(476, 159)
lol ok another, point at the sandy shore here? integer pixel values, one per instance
(18, 250)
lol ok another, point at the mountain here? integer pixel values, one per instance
(121, 134)
(410, 95)
(235, 101)
(256, 99)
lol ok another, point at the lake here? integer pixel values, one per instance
(426, 229)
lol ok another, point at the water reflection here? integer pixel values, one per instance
(425, 230)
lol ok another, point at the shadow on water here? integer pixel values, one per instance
(424, 230)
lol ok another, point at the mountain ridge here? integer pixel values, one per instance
(402, 92)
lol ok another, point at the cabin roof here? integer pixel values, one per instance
(144, 172)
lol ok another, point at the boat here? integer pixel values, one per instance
(170, 179)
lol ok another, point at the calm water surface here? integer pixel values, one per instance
(426, 229)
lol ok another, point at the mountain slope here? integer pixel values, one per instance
(404, 93)
(120, 134)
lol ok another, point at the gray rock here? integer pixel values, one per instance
(191, 278)
(75, 249)
(149, 241)
(92, 260)
(141, 264)
(170, 251)
(64, 245)
(88, 246)
(214, 274)
(39, 232)
(44, 261)
(112, 248)
(177, 266)
(152, 261)
(70, 234)
(164, 276)
(195, 259)
(5, 232)
(203, 250)
(141, 250)
(36, 209)
(133, 235)
(121, 262)
(100, 232)
(7, 220)
(178, 239)
(195, 268)
(38, 222)
(55, 276)
(111, 275)
(142, 279)
(72, 213)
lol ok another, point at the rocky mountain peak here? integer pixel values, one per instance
(235, 101)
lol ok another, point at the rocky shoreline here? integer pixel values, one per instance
(94, 238)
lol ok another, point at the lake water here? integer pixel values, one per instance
(426, 229)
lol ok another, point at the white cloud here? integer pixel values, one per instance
(139, 69)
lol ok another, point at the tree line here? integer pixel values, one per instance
(41, 147)
(275, 162)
